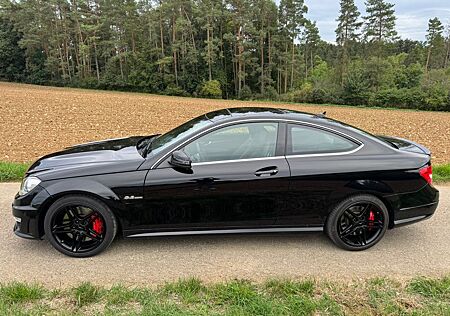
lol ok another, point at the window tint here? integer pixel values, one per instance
(309, 140)
(241, 141)
(178, 133)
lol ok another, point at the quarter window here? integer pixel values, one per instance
(303, 140)
(240, 141)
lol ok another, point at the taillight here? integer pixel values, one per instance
(427, 173)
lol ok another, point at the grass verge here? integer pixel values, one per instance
(379, 296)
(11, 171)
(441, 173)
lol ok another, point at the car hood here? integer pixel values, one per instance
(112, 155)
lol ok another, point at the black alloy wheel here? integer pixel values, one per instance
(358, 223)
(80, 226)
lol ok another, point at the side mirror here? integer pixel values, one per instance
(179, 159)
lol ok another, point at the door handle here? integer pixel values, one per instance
(266, 172)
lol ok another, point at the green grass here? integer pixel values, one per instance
(441, 173)
(11, 171)
(379, 296)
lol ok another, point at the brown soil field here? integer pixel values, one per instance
(37, 120)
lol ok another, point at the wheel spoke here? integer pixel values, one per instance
(378, 224)
(352, 216)
(61, 229)
(364, 211)
(363, 237)
(77, 241)
(71, 213)
(93, 235)
(349, 230)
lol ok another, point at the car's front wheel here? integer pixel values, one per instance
(358, 223)
(80, 226)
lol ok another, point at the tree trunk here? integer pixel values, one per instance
(208, 40)
(262, 63)
(292, 64)
(174, 38)
(428, 60)
(285, 68)
(96, 61)
(447, 55)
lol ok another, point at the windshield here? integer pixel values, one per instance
(177, 134)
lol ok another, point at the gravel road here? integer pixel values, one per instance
(421, 249)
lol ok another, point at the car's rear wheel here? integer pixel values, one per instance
(358, 222)
(80, 226)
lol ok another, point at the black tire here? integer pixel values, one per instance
(355, 219)
(70, 209)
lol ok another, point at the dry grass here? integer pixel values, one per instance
(37, 120)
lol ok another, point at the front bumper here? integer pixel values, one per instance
(27, 212)
(28, 227)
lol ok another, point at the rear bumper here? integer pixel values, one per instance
(422, 213)
(414, 207)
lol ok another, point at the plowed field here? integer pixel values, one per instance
(37, 120)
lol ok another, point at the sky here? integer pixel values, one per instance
(412, 16)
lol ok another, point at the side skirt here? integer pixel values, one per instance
(229, 231)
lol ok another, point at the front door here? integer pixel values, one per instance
(237, 180)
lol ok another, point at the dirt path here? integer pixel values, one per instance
(421, 249)
(37, 120)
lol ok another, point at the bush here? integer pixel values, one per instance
(403, 98)
(434, 99)
(437, 99)
(246, 93)
(310, 94)
(174, 90)
(270, 93)
(211, 89)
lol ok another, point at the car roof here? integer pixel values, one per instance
(257, 112)
(236, 114)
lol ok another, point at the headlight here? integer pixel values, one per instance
(28, 184)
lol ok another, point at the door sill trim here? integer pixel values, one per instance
(229, 231)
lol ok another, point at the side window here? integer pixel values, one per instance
(240, 141)
(303, 140)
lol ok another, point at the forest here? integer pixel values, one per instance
(231, 49)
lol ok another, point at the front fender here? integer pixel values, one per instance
(71, 186)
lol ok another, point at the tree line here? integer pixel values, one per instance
(243, 49)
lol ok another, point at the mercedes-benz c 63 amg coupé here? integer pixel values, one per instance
(239, 170)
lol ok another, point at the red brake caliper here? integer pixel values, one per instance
(97, 225)
(371, 220)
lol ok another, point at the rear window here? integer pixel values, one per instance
(304, 140)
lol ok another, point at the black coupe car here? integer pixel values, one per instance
(238, 170)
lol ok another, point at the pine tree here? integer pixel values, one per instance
(380, 21)
(447, 45)
(435, 39)
(291, 15)
(347, 31)
(311, 40)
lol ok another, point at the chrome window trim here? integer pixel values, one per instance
(327, 154)
(159, 161)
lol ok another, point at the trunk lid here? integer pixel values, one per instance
(405, 145)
